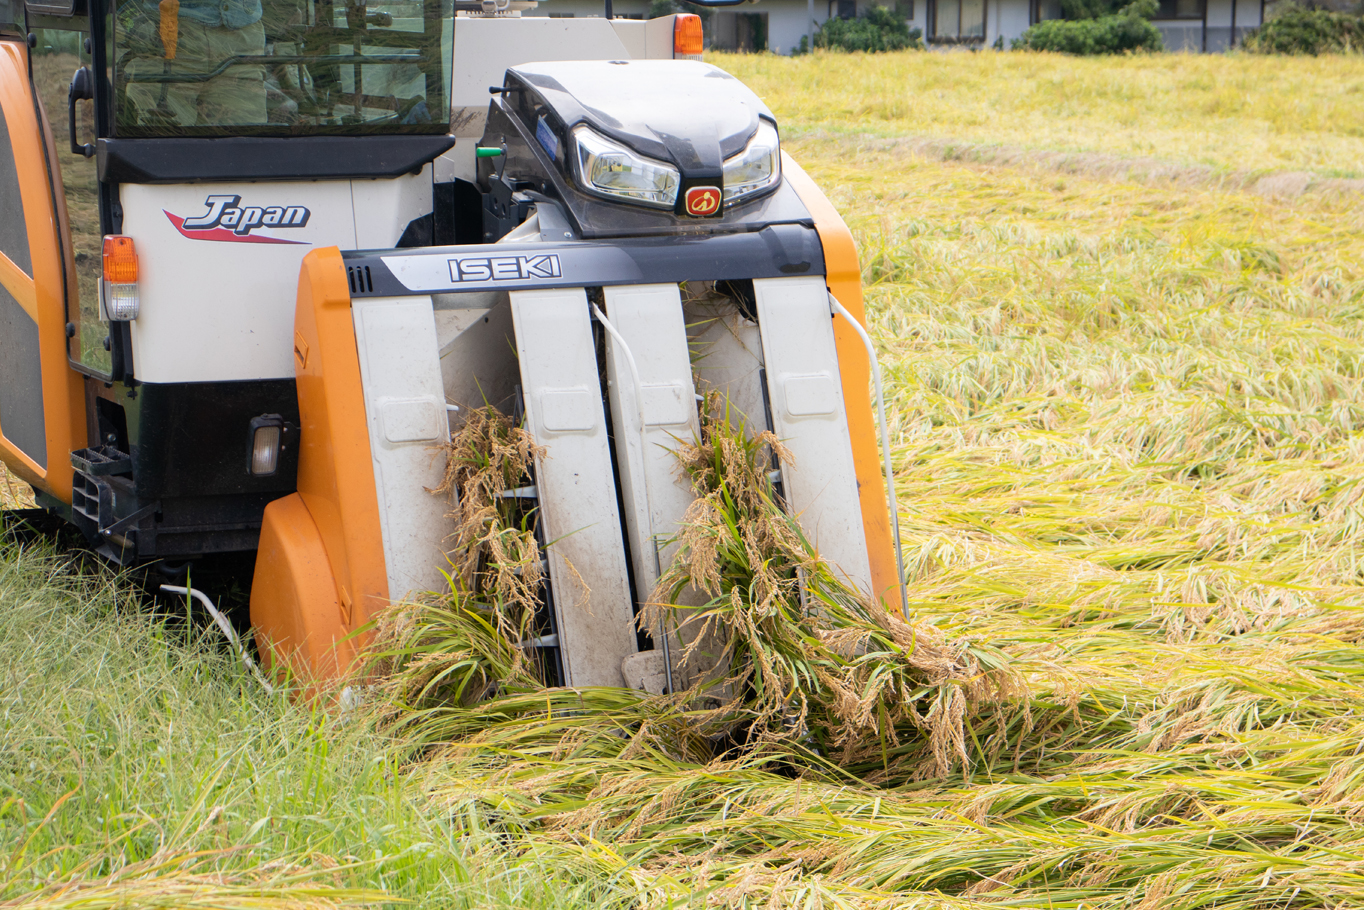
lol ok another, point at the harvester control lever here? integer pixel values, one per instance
(82, 89)
(169, 26)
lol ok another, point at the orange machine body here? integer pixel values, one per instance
(320, 574)
(844, 277)
(37, 292)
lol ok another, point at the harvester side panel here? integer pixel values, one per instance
(42, 414)
(335, 473)
(808, 416)
(577, 489)
(294, 605)
(214, 282)
(405, 407)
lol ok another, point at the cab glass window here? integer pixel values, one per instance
(281, 67)
(56, 56)
(11, 17)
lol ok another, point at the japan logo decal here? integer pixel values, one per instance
(230, 221)
(702, 201)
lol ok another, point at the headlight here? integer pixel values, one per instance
(610, 169)
(756, 167)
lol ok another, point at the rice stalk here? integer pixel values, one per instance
(189, 880)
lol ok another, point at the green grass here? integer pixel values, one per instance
(126, 740)
(1126, 422)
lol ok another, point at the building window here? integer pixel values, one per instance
(847, 9)
(1181, 9)
(958, 20)
(1042, 10)
(561, 15)
(738, 31)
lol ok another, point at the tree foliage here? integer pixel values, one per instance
(1306, 30)
(878, 29)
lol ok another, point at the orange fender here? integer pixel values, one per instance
(844, 277)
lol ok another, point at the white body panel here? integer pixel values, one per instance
(478, 350)
(646, 39)
(806, 395)
(577, 492)
(484, 48)
(383, 208)
(649, 317)
(218, 306)
(405, 411)
(728, 354)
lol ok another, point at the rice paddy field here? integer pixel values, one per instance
(1125, 359)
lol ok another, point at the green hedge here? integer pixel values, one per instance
(878, 29)
(1127, 31)
(1299, 30)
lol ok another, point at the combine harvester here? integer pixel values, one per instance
(256, 261)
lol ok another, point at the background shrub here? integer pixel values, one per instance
(1128, 30)
(878, 29)
(1302, 30)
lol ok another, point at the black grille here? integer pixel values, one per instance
(360, 280)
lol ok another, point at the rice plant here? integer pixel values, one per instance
(1125, 432)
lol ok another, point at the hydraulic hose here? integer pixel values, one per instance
(221, 621)
(885, 447)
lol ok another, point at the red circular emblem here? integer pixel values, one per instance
(703, 200)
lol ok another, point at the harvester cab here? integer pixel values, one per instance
(258, 258)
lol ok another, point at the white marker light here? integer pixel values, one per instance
(266, 436)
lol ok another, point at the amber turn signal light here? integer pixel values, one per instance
(687, 37)
(120, 278)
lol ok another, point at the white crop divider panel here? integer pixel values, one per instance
(649, 317)
(728, 351)
(405, 412)
(806, 393)
(577, 492)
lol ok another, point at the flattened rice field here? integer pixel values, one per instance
(1120, 307)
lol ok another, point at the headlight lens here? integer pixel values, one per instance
(756, 168)
(612, 169)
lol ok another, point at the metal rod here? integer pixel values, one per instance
(644, 481)
(885, 447)
(272, 60)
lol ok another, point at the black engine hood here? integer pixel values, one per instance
(692, 114)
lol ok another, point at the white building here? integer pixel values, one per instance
(778, 25)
